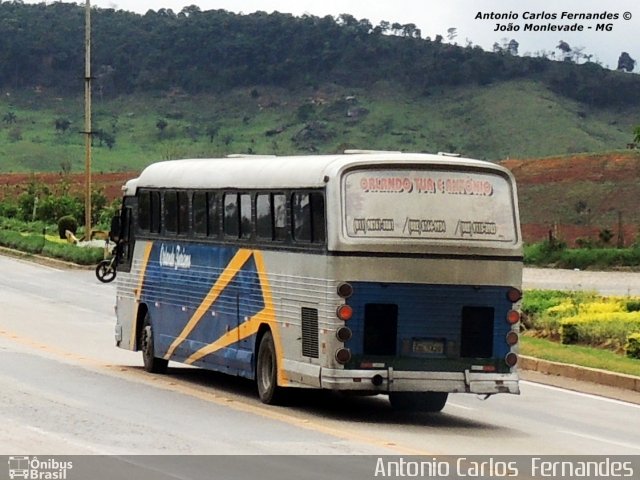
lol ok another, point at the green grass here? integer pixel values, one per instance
(578, 355)
(539, 254)
(509, 119)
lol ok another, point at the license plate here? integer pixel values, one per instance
(427, 346)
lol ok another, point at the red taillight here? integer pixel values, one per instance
(512, 338)
(511, 359)
(344, 312)
(343, 355)
(513, 294)
(513, 317)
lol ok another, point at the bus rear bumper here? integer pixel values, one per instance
(389, 380)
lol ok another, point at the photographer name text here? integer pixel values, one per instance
(553, 21)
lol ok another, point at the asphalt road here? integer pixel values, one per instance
(606, 283)
(65, 389)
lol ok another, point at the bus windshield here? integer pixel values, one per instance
(429, 204)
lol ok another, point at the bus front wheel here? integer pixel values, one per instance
(267, 371)
(152, 364)
(418, 401)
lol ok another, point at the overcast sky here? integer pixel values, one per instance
(435, 17)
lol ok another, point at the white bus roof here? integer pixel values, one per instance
(304, 171)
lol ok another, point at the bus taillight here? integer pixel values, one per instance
(513, 294)
(513, 317)
(343, 334)
(345, 290)
(343, 355)
(344, 312)
(511, 359)
(512, 338)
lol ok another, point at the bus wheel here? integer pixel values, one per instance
(267, 371)
(152, 363)
(418, 401)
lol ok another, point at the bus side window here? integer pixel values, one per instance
(171, 212)
(213, 224)
(308, 217)
(271, 216)
(155, 209)
(183, 213)
(280, 217)
(317, 218)
(245, 216)
(264, 223)
(199, 204)
(301, 217)
(231, 219)
(144, 210)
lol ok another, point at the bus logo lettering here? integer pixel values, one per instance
(174, 257)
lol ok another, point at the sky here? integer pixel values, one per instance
(436, 17)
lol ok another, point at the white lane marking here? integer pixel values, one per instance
(34, 264)
(581, 394)
(463, 407)
(601, 439)
(75, 443)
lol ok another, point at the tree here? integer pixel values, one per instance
(636, 134)
(452, 33)
(9, 118)
(62, 124)
(161, 125)
(565, 49)
(512, 47)
(626, 63)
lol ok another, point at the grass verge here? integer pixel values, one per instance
(578, 355)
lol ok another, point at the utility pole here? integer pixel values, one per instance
(87, 122)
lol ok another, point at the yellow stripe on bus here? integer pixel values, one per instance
(137, 293)
(225, 278)
(250, 327)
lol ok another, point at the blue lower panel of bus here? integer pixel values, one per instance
(197, 295)
(430, 327)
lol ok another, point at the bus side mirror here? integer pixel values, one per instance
(114, 231)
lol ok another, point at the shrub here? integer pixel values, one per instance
(8, 209)
(67, 223)
(632, 348)
(600, 329)
(73, 253)
(23, 242)
(632, 306)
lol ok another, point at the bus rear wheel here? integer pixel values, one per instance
(152, 364)
(267, 371)
(418, 401)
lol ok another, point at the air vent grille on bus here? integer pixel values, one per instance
(309, 318)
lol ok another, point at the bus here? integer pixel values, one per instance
(371, 272)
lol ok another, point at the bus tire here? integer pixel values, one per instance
(418, 401)
(267, 371)
(152, 364)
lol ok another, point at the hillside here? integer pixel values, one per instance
(518, 118)
(209, 83)
(579, 196)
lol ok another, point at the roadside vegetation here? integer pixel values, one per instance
(583, 328)
(592, 256)
(35, 222)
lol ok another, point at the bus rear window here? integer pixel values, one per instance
(467, 206)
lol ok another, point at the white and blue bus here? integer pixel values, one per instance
(376, 272)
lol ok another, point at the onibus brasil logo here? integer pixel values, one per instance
(36, 469)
